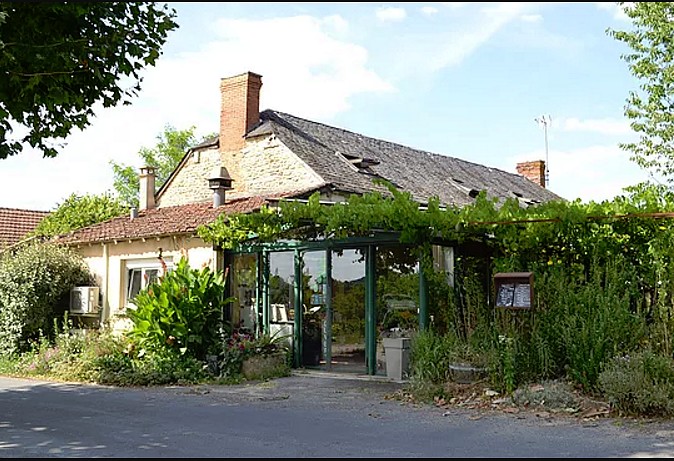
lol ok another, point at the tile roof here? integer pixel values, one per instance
(349, 161)
(16, 223)
(157, 222)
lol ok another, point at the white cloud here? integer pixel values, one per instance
(600, 126)
(429, 10)
(531, 18)
(315, 66)
(452, 47)
(183, 90)
(614, 9)
(338, 23)
(454, 5)
(391, 14)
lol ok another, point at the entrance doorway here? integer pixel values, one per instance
(348, 309)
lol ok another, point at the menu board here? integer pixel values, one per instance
(505, 295)
(514, 290)
(522, 295)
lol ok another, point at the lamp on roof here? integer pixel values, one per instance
(219, 181)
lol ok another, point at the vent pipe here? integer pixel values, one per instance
(219, 182)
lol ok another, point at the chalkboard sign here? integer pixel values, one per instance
(514, 290)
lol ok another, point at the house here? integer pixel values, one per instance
(257, 158)
(16, 224)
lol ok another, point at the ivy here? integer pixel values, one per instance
(555, 231)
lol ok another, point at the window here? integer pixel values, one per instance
(140, 273)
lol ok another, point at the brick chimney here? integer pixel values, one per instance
(239, 109)
(533, 171)
(146, 178)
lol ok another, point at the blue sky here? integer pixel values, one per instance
(461, 79)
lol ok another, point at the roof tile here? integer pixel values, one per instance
(180, 219)
(15, 224)
(424, 174)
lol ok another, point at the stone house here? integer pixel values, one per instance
(258, 158)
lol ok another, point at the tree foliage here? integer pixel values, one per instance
(651, 107)
(35, 282)
(79, 211)
(164, 157)
(60, 59)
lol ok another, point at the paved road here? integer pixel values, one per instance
(301, 416)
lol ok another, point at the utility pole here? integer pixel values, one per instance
(546, 121)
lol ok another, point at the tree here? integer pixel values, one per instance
(164, 157)
(60, 59)
(79, 211)
(651, 60)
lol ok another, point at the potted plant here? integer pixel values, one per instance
(468, 364)
(255, 357)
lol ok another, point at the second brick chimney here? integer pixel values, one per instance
(533, 171)
(239, 109)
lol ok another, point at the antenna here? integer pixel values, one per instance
(546, 121)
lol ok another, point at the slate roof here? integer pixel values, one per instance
(159, 222)
(16, 223)
(349, 161)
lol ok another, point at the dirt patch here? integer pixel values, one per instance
(546, 400)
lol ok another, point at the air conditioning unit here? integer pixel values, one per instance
(84, 300)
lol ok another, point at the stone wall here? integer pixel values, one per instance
(264, 166)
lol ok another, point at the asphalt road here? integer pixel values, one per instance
(302, 416)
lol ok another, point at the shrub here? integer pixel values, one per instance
(35, 284)
(552, 395)
(430, 356)
(639, 384)
(181, 311)
(589, 320)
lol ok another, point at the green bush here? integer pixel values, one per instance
(181, 311)
(595, 322)
(101, 357)
(56, 358)
(639, 384)
(35, 283)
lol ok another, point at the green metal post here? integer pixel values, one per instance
(370, 309)
(327, 333)
(299, 311)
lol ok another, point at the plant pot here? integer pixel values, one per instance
(466, 373)
(397, 356)
(264, 366)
